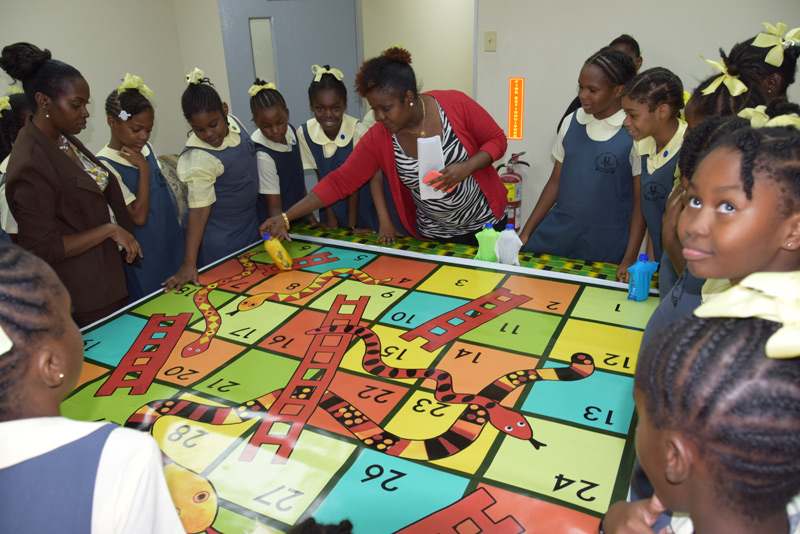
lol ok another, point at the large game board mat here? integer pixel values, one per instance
(405, 392)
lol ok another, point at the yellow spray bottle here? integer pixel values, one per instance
(278, 254)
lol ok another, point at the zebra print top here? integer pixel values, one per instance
(462, 211)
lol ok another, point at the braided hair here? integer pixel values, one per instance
(11, 122)
(702, 136)
(654, 87)
(709, 379)
(129, 100)
(266, 98)
(617, 66)
(199, 97)
(37, 70)
(390, 71)
(753, 59)
(327, 82)
(27, 314)
(721, 101)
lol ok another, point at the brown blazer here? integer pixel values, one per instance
(49, 197)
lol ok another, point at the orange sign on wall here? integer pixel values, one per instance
(516, 104)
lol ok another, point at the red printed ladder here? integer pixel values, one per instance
(140, 365)
(302, 394)
(451, 325)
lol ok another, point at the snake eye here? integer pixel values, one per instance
(201, 496)
(521, 424)
(509, 428)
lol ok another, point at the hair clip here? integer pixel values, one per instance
(15, 90)
(5, 103)
(318, 71)
(774, 38)
(124, 115)
(134, 82)
(733, 83)
(770, 296)
(195, 76)
(255, 89)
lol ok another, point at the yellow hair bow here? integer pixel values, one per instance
(14, 90)
(774, 38)
(254, 89)
(757, 116)
(733, 83)
(195, 76)
(5, 103)
(134, 82)
(319, 71)
(759, 119)
(396, 45)
(770, 296)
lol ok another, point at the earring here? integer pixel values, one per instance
(411, 104)
(789, 244)
(46, 114)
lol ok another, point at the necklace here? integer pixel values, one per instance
(421, 132)
(64, 143)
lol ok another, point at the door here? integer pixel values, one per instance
(302, 33)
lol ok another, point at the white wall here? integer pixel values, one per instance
(547, 42)
(158, 40)
(438, 34)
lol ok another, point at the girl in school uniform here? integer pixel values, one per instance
(219, 167)
(14, 111)
(325, 143)
(129, 156)
(652, 102)
(592, 190)
(280, 167)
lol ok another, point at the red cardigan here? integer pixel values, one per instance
(473, 126)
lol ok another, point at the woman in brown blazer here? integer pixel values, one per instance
(69, 208)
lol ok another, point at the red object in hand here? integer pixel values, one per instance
(431, 176)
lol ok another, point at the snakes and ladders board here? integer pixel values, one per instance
(407, 393)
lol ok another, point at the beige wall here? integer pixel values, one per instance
(547, 42)
(439, 35)
(159, 40)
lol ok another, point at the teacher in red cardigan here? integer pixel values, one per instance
(473, 194)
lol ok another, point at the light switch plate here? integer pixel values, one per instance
(490, 41)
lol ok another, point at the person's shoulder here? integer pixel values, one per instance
(131, 441)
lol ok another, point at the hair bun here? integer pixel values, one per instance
(396, 53)
(22, 60)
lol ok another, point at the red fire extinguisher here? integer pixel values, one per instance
(512, 179)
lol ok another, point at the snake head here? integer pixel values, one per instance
(249, 303)
(510, 422)
(193, 349)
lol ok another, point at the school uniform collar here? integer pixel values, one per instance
(647, 147)
(111, 154)
(4, 164)
(343, 138)
(261, 139)
(230, 140)
(614, 120)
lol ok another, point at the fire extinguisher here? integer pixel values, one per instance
(512, 179)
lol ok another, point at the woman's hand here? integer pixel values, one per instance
(452, 175)
(276, 227)
(633, 517)
(622, 271)
(387, 232)
(134, 158)
(187, 273)
(128, 242)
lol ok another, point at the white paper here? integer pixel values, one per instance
(431, 158)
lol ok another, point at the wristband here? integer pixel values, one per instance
(286, 219)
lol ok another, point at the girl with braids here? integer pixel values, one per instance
(68, 210)
(724, 94)
(67, 476)
(219, 167)
(152, 209)
(652, 102)
(473, 194)
(327, 140)
(585, 209)
(14, 112)
(718, 399)
(280, 168)
(771, 56)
